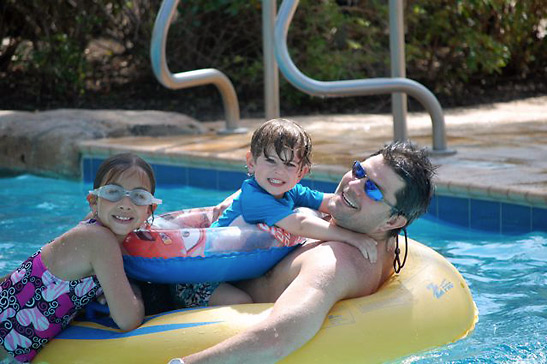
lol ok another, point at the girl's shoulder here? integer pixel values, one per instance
(86, 233)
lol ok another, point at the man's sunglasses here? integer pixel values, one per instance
(114, 193)
(371, 189)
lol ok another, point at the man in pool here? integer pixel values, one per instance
(309, 281)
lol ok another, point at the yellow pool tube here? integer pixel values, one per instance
(425, 306)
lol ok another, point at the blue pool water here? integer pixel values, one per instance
(507, 274)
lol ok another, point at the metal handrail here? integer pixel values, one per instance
(191, 78)
(354, 87)
(271, 72)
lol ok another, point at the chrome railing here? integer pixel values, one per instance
(393, 85)
(191, 78)
(275, 47)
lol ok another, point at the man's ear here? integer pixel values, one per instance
(303, 172)
(250, 162)
(394, 222)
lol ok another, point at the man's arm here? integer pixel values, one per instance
(327, 274)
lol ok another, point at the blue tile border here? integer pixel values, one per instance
(492, 216)
(89, 169)
(485, 215)
(453, 210)
(515, 218)
(539, 219)
(201, 177)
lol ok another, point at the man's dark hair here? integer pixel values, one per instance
(282, 135)
(413, 165)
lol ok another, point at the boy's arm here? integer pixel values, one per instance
(325, 202)
(313, 227)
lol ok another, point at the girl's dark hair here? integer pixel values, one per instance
(282, 135)
(115, 165)
(413, 165)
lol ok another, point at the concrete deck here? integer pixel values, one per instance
(501, 149)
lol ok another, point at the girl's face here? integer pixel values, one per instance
(123, 216)
(273, 174)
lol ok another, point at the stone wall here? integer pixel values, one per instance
(46, 143)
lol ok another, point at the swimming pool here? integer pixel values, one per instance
(507, 274)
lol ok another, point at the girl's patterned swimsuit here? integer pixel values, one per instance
(35, 306)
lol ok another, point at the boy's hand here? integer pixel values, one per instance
(366, 245)
(390, 246)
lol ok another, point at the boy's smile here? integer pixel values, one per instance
(275, 175)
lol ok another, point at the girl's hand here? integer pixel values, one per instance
(219, 209)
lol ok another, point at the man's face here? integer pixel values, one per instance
(353, 209)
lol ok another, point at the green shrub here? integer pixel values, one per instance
(59, 50)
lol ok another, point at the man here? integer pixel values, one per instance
(379, 197)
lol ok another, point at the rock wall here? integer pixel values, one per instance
(46, 143)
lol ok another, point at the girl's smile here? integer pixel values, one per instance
(124, 216)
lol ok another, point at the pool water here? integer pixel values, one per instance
(507, 274)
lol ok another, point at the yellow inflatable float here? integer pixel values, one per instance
(425, 306)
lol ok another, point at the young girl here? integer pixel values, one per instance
(279, 158)
(41, 297)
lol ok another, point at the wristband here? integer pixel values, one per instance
(176, 361)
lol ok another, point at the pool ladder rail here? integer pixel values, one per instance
(275, 48)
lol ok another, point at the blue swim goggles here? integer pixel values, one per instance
(371, 189)
(114, 193)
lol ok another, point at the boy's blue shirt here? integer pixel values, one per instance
(256, 205)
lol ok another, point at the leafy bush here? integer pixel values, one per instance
(46, 41)
(67, 52)
(451, 44)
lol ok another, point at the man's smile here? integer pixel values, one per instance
(348, 201)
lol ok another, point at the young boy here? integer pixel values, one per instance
(279, 158)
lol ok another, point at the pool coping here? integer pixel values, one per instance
(327, 173)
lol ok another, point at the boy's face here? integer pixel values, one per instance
(274, 174)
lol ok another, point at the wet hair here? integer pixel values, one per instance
(117, 164)
(286, 138)
(412, 164)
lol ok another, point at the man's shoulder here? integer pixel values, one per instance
(345, 264)
(340, 254)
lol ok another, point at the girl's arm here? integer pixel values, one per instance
(124, 301)
(316, 228)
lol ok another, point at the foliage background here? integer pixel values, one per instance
(95, 53)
